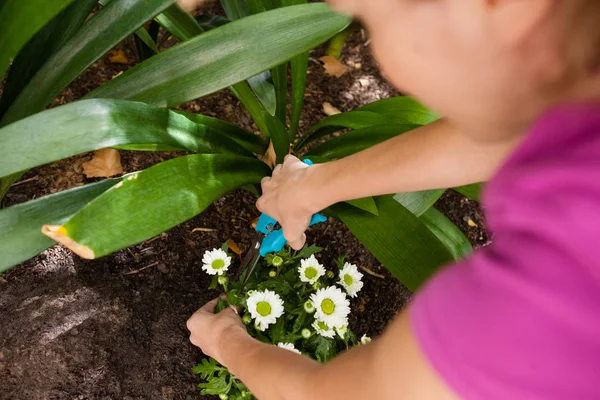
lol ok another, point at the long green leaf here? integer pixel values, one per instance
(280, 81)
(95, 124)
(394, 110)
(20, 20)
(299, 69)
(404, 107)
(21, 237)
(398, 239)
(471, 191)
(155, 200)
(179, 23)
(45, 43)
(225, 55)
(366, 204)
(279, 137)
(107, 28)
(235, 9)
(419, 202)
(358, 140)
(448, 233)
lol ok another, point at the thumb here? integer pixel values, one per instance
(298, 243)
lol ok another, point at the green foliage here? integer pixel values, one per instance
(288, 288)
(251, 53)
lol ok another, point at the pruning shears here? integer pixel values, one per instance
(267, 240)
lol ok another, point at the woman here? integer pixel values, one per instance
(519, 84)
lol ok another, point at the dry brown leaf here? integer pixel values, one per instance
(118, 57)
(254, 222)
(233, 246)
(270, 158)
(371, 272)
(104, 164)
(328, 109)
(333, 66)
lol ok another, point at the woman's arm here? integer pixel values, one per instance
(431, 157)
(391, 367)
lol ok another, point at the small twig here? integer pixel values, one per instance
(203, 230)
(137, 271)
(368, 271)
(35, 178)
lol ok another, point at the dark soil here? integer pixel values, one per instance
(114, 328)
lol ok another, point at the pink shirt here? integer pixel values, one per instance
(520, 319)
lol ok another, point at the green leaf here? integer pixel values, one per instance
(20, 20)
(207, 368)
(242, 91)
(299, 67)
(325, 350)
(398, 239)
(21, 237)
(235, 9)
(394, 110)
(157, 199)
(366, 204)
(102, 32)
(337, 122)
(279, 136)
(279, 74)
(264, 91)
(95, 124)
(145, 41)
(448, 233)
(225, 55)
(45, 43)
(404, 107)
(419, 202)
(308, 251)
(179, 23)
(471, 191)
(218, 385)
(358, 140)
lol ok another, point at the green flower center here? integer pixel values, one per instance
(322, 325)
(277, 261)
(310, 272)
(218, 264)
(263, 308)
(348, 280)
(328, 306)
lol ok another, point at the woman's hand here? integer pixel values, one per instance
(290, 196)
(209, 330)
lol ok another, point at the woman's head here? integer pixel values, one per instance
(487, 64)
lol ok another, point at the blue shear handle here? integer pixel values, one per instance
(275, 240)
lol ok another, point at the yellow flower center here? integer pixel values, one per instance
(218, 264)
(263, 308)
(310, 272)
(348, 280)
(328, 306)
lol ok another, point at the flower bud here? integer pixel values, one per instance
(309, 307)
(223, 280)
(277, 261)
(330, 274)
(247, 319)
(316, 286)
(306, 333)
(223, 396)
(272, 273)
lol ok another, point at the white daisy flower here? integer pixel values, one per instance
(332, 306)
(310, 270)
(365, 339)
(323, 329)
(215, 262)
(265, 307)
(289, 346)
(341, 331)
(351, 279)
